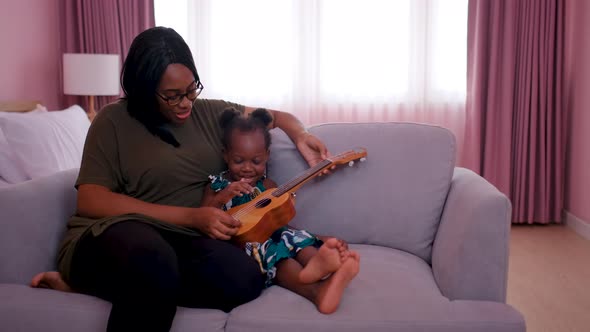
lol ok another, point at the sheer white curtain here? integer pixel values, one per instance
(331, 60)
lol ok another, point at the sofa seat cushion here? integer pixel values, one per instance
(394, 291)
(49, 310)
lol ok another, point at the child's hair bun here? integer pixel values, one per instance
(262, 115)
(232, 120)
(228, 116)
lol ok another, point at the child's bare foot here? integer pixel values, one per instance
(330, 292)
(50, 280)
(327, 260)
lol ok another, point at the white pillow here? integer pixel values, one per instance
(11, 170)
(46, 143)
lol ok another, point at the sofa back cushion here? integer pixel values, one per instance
(33, 216)
(395, 198)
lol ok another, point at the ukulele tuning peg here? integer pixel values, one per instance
(350, 163)
(363, 159)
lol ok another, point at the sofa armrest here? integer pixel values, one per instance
(470, 251)
(33, 218)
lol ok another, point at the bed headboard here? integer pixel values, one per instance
(27, 106)
(18, 105)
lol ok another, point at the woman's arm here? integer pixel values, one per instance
(95, 201)
(210, 198)
(288, 123)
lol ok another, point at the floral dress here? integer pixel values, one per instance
(284, 243)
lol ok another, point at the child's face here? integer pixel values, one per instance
(247, 157)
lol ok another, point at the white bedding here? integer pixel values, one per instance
(35, 144)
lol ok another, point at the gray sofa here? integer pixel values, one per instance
(433, 240)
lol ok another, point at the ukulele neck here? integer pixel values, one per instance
(301, 179)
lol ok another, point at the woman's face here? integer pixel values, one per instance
(176, 81)
(247, 157)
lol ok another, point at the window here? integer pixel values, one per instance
(326, 54)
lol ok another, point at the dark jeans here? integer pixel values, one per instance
(146, 272)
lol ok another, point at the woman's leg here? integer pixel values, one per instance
(131, 265)
(325, 294)
(217, 274)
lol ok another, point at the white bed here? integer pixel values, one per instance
(35, 142)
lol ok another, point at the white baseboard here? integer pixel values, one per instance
(578, 225)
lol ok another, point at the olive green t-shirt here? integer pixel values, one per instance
(122, 155)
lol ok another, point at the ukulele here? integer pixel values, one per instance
(275, 207)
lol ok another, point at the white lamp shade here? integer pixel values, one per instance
(91, 74)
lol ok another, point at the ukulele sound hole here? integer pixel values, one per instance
(263, 202)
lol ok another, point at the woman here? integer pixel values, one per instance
(139, 238)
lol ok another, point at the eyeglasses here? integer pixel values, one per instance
(191, 95)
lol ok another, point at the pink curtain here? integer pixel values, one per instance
(106, 26)
(514, 133)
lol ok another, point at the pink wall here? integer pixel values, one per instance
(577, 94)
(30, 56)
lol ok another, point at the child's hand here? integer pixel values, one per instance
(238, 188)
(218, 199)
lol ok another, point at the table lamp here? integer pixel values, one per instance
(91, 75)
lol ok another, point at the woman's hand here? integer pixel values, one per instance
(213, 222)
(312, 149)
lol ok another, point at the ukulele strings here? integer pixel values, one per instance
(278, 192)
(253, 205)
(294, 182)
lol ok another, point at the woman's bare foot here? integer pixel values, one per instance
(327, 260)
(331, 290)
(52, 280)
